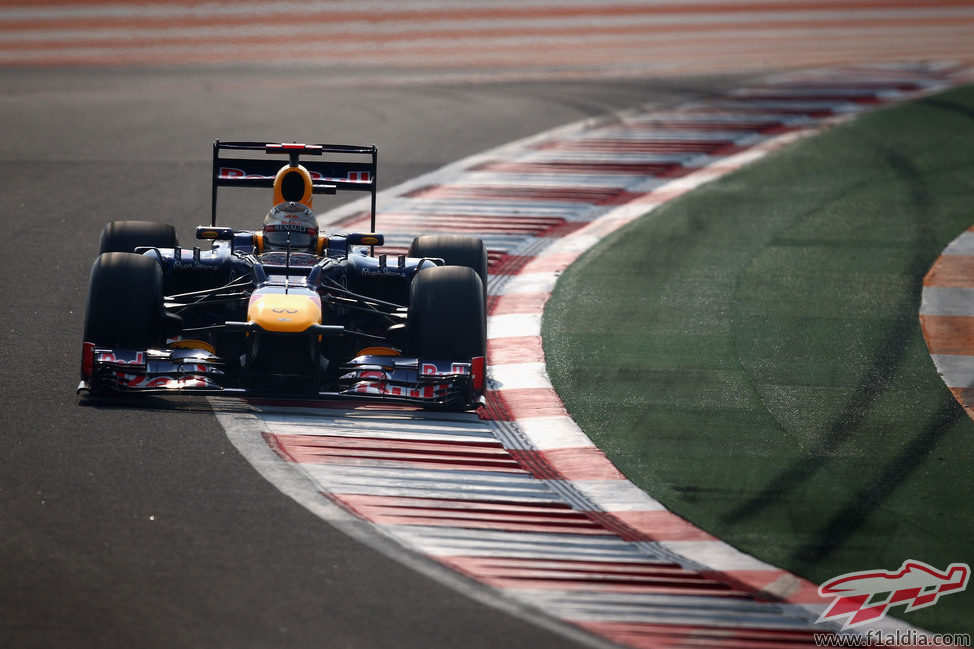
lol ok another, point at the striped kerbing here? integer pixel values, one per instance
(947, 317)
(484, 37)
(519, 498)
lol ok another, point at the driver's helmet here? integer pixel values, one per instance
(290, 219)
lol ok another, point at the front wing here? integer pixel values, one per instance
(396, 379)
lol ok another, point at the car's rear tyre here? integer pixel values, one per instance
(126, 236)
(454, 250)
(125, 309)
(446, 314)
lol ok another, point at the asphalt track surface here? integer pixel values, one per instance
(140, 525)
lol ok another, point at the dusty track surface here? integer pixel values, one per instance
(141, 525)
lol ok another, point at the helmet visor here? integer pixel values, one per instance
(299, 236)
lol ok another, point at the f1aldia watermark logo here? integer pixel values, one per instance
(866, 596)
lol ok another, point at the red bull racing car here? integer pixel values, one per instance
(287, 310)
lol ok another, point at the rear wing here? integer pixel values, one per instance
(328, 176)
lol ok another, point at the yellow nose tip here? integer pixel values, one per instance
(285, 313)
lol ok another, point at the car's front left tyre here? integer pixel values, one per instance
(447, 322)
(446, 314)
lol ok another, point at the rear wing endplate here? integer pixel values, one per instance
(327, 175)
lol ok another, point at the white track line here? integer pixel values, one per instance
(398, 469)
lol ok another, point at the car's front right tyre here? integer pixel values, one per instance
(125, 307)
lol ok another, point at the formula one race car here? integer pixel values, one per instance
(284, 310)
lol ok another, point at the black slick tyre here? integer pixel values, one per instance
(126, 236)
(125, 308)
(446, 314)
(454, 250)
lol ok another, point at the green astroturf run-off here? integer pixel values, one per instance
(750, 353)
